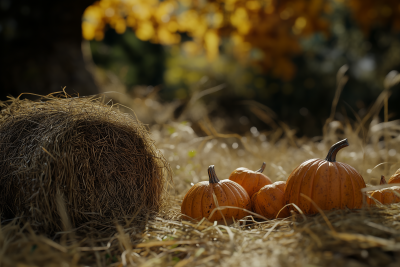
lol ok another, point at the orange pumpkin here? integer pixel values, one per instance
(385, 195)
(281, 185)
(252, 181)
(330, 184)
(269, 201)
(395, 179)
(199, 201)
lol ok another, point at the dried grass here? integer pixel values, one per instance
(366, 237)
(97, 160)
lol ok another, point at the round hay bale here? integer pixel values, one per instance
(101, 161)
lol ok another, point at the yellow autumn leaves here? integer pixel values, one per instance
(264, 26)
(270, 28)
(150, 19)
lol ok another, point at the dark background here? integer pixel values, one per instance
(41, 52)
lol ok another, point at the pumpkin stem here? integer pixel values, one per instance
(262, 168)
(213, 179)
(331, 157)
(383, 180)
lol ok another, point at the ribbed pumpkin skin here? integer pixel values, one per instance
(198, 201)
(331, 185)
(281, 185)
(385, 196)
(251, 181)
(395, 178)
(269, 200)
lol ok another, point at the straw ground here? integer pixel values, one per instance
(366, 237)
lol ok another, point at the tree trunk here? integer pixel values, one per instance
(40, 48)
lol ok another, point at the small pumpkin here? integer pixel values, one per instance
(330, 184)
(199, 201)
(252, 181)
(395, 178)
(385, 195)
(281, 185)
(269, 201)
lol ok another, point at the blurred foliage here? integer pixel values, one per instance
(266, 31)
(369, 13)
(283, 54)
(117, 53)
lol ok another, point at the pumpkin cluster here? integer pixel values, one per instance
(314, 185)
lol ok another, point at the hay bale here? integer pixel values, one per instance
(100, 160)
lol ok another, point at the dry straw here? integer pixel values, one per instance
(366, 237)
(101, 162)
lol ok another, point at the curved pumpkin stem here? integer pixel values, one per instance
(213, 179)
(383, 180)
(331, 157)
(262, 168)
